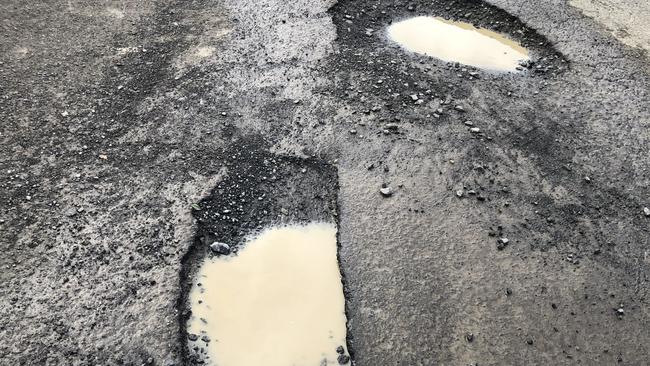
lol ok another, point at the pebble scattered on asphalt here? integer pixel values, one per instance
(646, 211)
(502, 243)
(220, 248)
(620, 312)
(386, 191)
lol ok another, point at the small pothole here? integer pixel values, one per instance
(454, 41)
(279, 301)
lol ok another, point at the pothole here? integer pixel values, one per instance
(277, 302)
(454, 41)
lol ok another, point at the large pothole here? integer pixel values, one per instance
(453, 41)
(263, 293)
(368, 53)
(278, 302)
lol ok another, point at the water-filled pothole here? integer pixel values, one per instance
(278, 302)
(453, 41)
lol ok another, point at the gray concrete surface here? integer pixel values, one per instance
(627, 20)
(116, 117)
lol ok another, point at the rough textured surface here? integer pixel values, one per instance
(114, 120)
(259, 190)
(626, 20)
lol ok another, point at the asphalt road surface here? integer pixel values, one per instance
(127, 126)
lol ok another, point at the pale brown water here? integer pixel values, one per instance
(458, 42)
(279, 302)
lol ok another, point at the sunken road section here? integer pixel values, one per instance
(259, 190)
(361, 27)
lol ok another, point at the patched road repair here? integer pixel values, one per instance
(332, 182)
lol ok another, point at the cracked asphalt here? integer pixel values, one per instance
(119, 118)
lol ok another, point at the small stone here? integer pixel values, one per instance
(392, 127)
(502, 243)
(353, 132)
(343, 359)
(468, 123)
(192, 337)
(459, 193)
(386, 191)
(529, 341)
(474, 130)
(220, 248)
(64, 113)
(620, 312)
(414, 97)
(103, 156)
(587, 179)
(205, 339)
(646, 211)
(340, 350)
(508, 291)
(459, 108)
(469, 337)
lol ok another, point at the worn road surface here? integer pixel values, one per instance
(127, 126)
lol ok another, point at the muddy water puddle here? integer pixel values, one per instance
(460, 42)
(278, 302)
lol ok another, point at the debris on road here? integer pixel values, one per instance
(502, 243)
(386, 191)
(220, 248)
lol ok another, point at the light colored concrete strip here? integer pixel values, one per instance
(627, 20)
